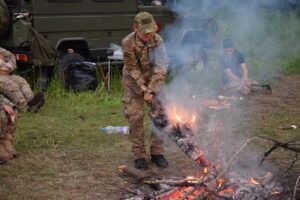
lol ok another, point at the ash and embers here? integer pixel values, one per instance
(213, 182)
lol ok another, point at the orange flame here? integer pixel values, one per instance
(121, 168)
(221, 182)
(205, 170)
(253, 181)
(180, 116)
(227, 191)
(275, 192)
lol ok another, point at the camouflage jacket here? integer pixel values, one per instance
(5, 101)
(9, 57)
(144, 63)
(3, 116)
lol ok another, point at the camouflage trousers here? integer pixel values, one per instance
(16, 89)
(134, 111)
(7, 134)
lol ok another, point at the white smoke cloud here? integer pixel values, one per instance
(265, 35)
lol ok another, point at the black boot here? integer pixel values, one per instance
(36, 102)
(159, 160)
(141, 163)
(2, 162)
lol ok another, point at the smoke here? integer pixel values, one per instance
(261, 30)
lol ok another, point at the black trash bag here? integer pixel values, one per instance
(82, 76)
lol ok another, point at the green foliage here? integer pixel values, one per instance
(292, 65)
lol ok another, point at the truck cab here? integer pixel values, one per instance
(42, 33)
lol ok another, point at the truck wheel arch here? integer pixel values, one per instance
(79, 45)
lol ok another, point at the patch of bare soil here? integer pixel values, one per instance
(277, 117)
(257, 111)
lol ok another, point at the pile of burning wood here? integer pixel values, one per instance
(213, 182)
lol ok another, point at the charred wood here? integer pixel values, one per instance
(181, 134)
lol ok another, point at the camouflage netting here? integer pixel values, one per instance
(43, 52)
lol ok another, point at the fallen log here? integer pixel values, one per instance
(189, 181)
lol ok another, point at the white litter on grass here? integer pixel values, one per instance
(294, 127)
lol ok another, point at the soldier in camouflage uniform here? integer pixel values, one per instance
(15, 87)
(7, 129)
(144, 73)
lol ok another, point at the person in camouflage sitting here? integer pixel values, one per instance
(8, 118)
(16, 88)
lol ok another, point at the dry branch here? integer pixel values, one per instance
(136, 173)
(287, 145)
(296, 186)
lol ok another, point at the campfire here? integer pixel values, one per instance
(212, 182)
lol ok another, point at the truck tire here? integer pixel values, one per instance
(44, 77)
(63, 62)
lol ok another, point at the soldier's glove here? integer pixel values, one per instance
(148, 96)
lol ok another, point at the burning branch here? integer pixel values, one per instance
(180, 132)
(191, 188)
(188, 181)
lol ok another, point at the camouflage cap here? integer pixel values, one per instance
(145, 22)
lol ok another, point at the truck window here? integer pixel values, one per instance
(108, 0)
(64, 1)
(166, 3)
(151, 2)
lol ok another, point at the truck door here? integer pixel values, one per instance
(99, 22)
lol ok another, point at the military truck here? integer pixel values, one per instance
(40, 33)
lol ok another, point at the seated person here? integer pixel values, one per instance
(16, 88)
(234, 70)
(192, 55)
(7, 130)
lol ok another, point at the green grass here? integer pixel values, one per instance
(63, 141)
(274, 123)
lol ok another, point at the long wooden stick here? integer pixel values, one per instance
(136, 173)
(296, 186)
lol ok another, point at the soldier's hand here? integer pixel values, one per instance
(246, 82)
(148, 96)
(11, 113)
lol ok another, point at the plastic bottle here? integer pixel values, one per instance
(122, 130)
